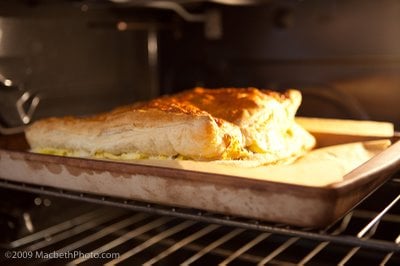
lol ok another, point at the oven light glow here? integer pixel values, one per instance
(121, 26)
(7, 82)
(152, 46)
(28, 222)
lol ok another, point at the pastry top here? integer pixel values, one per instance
(230, 104)
(202, 124)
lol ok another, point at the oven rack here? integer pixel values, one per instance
(154, 230)
(332, 234)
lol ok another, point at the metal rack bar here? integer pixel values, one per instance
(128, 236)
(348, 256)
(354, 250)
(159, 239)
(314, 252)
(182, 243)
(390, 254)
(72, 232)
(207, 217)
(246, 247)
(54, 229)
(278, 250)
(119, 229)
(155, 239)
(378, 217)
(343, 226)
(213, 246)
(386, 258)
(222, 252)
(104, 232)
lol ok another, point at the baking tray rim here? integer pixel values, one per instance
(351, 180)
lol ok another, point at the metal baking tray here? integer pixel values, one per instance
(299, 205)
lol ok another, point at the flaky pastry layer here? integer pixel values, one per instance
(201, 124)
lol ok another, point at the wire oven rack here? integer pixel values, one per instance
(143, 233)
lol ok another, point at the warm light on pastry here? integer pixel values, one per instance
(227, 124)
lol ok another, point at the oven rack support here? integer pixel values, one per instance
(363, 240)
(211, 19)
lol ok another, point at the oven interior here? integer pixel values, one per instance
(82, 57)
(43, 219)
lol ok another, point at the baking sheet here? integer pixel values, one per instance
(318, 168)
(321, 188)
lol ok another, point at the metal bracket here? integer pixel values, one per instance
(178, 9)
(24, 114)
(211, 18)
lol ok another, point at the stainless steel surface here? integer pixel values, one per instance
(146, 237)
(25, 106)
(52, 49)
(26, 115)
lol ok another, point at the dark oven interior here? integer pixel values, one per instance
(41, 220)
(81, 57)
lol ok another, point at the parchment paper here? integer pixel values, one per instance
(320, 167)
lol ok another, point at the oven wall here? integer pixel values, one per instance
(344, 55)
(73, 56)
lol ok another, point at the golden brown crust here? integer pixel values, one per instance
(230, 104)
(226, 123)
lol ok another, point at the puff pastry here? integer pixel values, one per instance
(227, 124)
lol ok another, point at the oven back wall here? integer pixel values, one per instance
(345, 55)
(73, 57)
